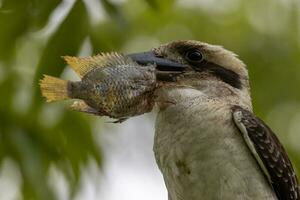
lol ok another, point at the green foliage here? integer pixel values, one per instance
(38, 135)
(24, 137)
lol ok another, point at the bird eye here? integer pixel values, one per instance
(194, 56)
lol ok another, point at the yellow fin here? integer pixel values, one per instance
(54, 89)
(83, 65)
(81, 106)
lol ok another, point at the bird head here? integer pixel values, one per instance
(206, 69)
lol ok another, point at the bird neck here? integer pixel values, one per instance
(201, 94)
(200, 151)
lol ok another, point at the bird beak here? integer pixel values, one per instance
(166, 70)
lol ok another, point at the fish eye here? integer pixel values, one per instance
(194, 55)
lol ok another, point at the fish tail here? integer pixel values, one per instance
(54, 89)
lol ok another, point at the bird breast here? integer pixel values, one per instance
(201, 153)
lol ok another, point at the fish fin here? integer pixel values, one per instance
(120, 120)
(81, 106)
(83, 65)
(54, 89)
(113, 59)
(80, 65)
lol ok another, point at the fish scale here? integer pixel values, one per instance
(111, 85)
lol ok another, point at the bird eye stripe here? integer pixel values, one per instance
(183, 47)
(226, 75)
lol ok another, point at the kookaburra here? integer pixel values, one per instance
(208, 143)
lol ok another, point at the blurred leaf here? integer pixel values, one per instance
(110, 37)
(7, 87)
(14, 12)
(70, 142)
(114, 11)
(66, 41)
(152, 3)
(28, 152)
(33, 166)
(110, 7)
(22, 15)
(74, 141)
(156, 4)
(40, 10)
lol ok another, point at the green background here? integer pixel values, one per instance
(35, 136)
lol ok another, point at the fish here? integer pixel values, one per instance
(111, 85)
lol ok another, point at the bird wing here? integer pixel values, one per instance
(269, 153)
